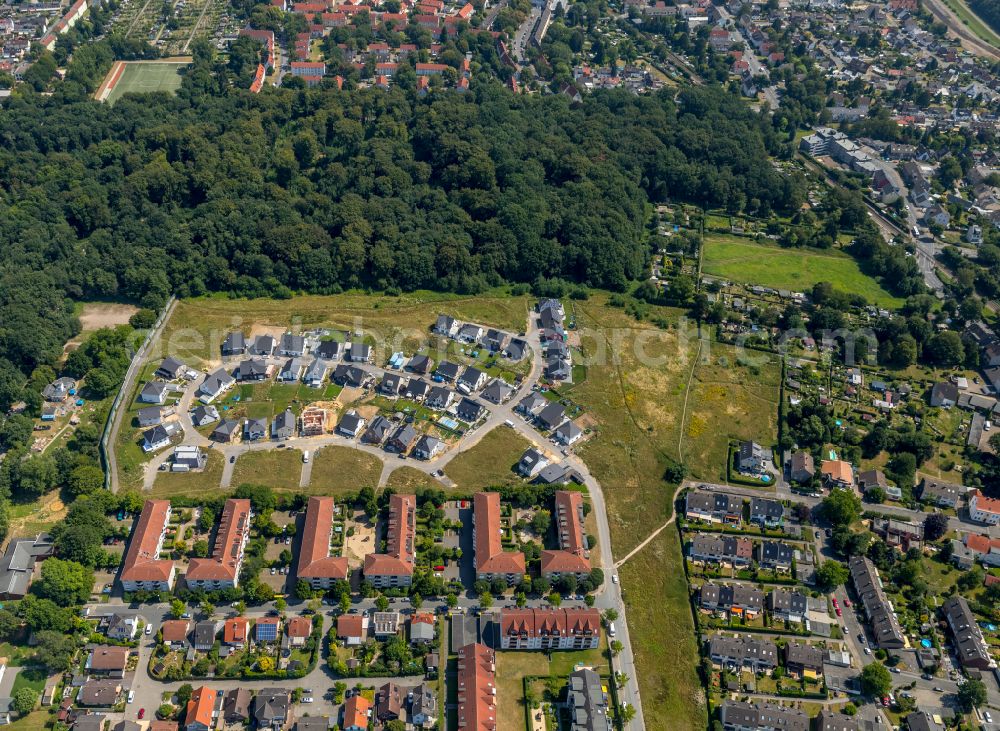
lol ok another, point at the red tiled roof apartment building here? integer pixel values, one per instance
(142, 568)
(222, 570)
(492, 562)
(316, 565)
(550, 629)
(571, 558)
(395, 566)
(477, 693)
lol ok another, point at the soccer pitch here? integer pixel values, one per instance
(142, 76)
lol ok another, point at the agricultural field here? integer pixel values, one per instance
(741, 260)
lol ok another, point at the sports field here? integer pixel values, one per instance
(741, 260)
(140, 77)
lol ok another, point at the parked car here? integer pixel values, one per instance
(142, 712)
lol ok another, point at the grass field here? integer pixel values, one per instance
(635, 389)
(337, 470)
(142, 77)
(279, 469)
(191, 484)
(409, 479)
(741, 260)
(973, 22)
(490, 463)
(198, 326)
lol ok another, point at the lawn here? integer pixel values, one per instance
(338, 470)
(512, 667)
(34, 721)
(489, 463)
(279, 469)
(741, 260)
(190, 484)
(410, 479)
(142, 77)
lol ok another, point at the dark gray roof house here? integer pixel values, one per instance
(567, 433)
(272, 707)
(155, 438)
(330, 350)
(255, 430)
(531, 404)
(252, 369)
(377, 431)
(283, 426)
(170, 368)
(420, 364)
(558, 474)
(402, 439)
(557, 369)
(390, 384)
(428, 447)
(515, 349)
(154, 392)
(468, 410)
(350, 424)
(204, 635)
(236, 705)
(447, 370)
(225, 431)
(551, 416)
(495, 340)
(360, 352)
(472, 378)
(944, 394)
(766, 512)
(352, 376)
(416, 389)
(263, 345)
(204, 415)
(59, 389)
(234, 344)
(292, 369)
(150, 416)
(587, 702)
(18, 564)
(439, 397)
(497, 391)
(292, 345)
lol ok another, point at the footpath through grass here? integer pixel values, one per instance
(741, 260)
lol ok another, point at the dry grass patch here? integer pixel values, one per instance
(490, 463)
(337, 470)
(410, 479)
(279, 469)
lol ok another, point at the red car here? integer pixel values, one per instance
(885, 701)
(142, 712)
(839, 613)
(439, 568)
(847, 603)
(835, 602)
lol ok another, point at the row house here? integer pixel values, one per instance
(756, 654)
(713, 507)
(316, 565)
(550, 629)
(732, 550)
(738, 599)
(222, 569)
(875, 604)
(394, 568)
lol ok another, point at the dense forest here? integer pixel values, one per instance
(219, 190)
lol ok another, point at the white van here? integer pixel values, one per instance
(131, 696)
(611, 629)
(305, 456)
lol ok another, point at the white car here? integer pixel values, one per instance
(149, 629)
(307, 699)
(614, 578)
